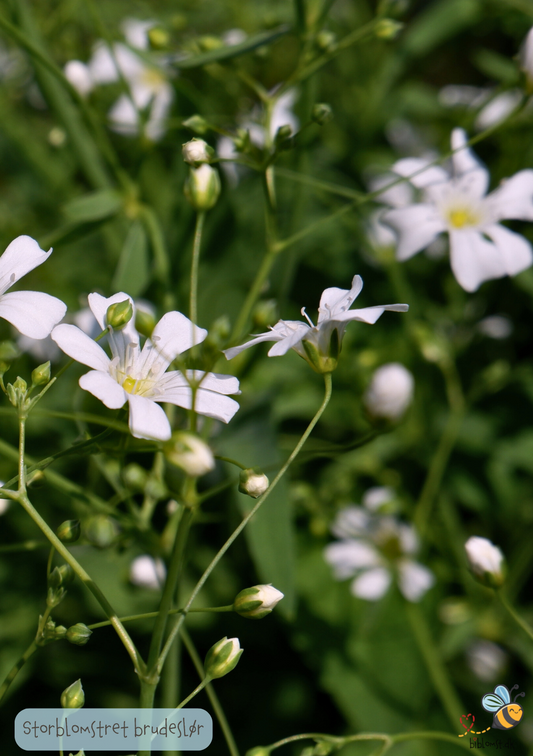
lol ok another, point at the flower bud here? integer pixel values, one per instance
(253, 482)
(282, 140)
(69, 531)
(147, 572)
(101, 531)
(61, 576)
(119, 314)
(73, 697)
(486, 561)
(321, 113)
(257, 602)
(390, 392)
(197, 124)
(265, 313)
(41, 375)
(196, 151)
(222, 658)
(17, 391)
(51, 632)
(189, 452)
(144, 319)
(326, 41)
(387, 28)
(202, 188)
(158, 38)
(135, 477)
(78, 634)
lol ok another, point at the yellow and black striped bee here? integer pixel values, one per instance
(506, 714)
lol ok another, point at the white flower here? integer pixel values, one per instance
(390, 391)
(147, 572)
(486, 561)
(33, 313)
(480, 248)
(320, 345)
(495, 327)
(526, 57)
(486, 660)
(189, 452)
(257, 602)
(138, 376)
(78, 74)
(374, 548)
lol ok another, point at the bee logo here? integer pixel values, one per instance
(506, 714)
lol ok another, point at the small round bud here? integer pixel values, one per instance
(119, 314)
(78, 634)
(73, 697)
(196, 151)
(257, 602)
(101, 531)
(222, 658)
(202, 188)
(390, 392)
(135, 477)
(61, 576)
(326, 41)
(197, 124)
(17, 391)
(69, 531)
(147, 572)
(387, 28)
(41, 375)
(321, 113)
(253, 482)
(189, 452)
(158, 38)
(282, 140)
(486, 561)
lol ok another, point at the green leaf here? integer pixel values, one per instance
(93, 206)
(496, 66)
(233, 51)
(439, 22)
(133, 271)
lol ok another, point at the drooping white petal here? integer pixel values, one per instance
(347, 557)
(474, 259)
(147, 419)
(295, 333)
(414, 579)
(513, 198)
(219, 382)
(425, 174)
(370, 314)
(217, 406)
(273, 335)
(21, 256)
(335, 301)
(173, 335)
(515, 250)
(372, 584)
(104, 387)
(80, 347)
(417, 227)
(466, 163)
(33, 313)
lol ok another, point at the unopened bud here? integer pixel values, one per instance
(202, 187)
(196, 151)
(326, 41)
(387, 28)
(78, 634)
(144, 320)
(321, 113)
(101, 531)
(265, 313)
(486, 561)
(257, 602)
(253, 482)
(17, 391)
(69, 531)
(73, 697)
(222, 658)
(135, 477)
(119, 314)
(282, 140)
(189, 452)
(390, 392)
(197, 124)
(61, 576)
(158, 38)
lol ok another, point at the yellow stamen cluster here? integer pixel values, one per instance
(461, 217)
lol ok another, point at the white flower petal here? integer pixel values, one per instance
(33, 313)
(417, 226)
(426, 174)
(273, 335)
(347, 557)
(147, 419)
(173, 388)
(474, 259)
(414, 579)
(466, 163)
(80, 347)
(103, 387)
(21, 256)
(515, 251)
(335, 301)
(219, 382)
(125, 340)
(371, 314)
(372, 584)
(513, 198)
(124, 117)
(351, 521)
(173, 335)
(291, 339)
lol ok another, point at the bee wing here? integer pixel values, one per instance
(503, 693)
(492, 702)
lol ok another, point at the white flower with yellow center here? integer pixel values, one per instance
(480, 247)
(138, 376)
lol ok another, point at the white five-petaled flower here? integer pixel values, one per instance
(374, 548)
(480, 247)
(139, 376)
(320, 345)
(33, 313)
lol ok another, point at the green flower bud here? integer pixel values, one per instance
(326, 41)
(257, 602)
(144, 321)
(282, 140)
(17, 391)
(387, 28)
(41, 375)
(51, 632)
(61, 576)
(253, 482)
(73, 697)
(196, 151)
(189, 452)
(101, 531)
(119, 314)
(197, 124)
(321, 113)
(69, 531)
(265, 313)
(78, 634)
(202, 188)
(222, 658)
(158, 38)
(135, 477)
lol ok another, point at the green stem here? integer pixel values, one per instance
(238, 530)
(32, 648)
(151, 615)
(437, 672)
(514, 614)
(215, 703)
(252, 296)
(193, 301)
(195, 692)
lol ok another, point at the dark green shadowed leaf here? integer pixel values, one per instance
(133, 272)
(93, 206)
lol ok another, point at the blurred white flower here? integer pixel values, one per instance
(147, 572)
(190, 453)
(376, 498)
(4, 503)
(495, 327)
(282, 115)
(41, 350)
(486, 561)
(480, 247)
(375, 549)
(390, 391)
(78, 74)
(526, 57)
(486, 660)
(493, 107)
